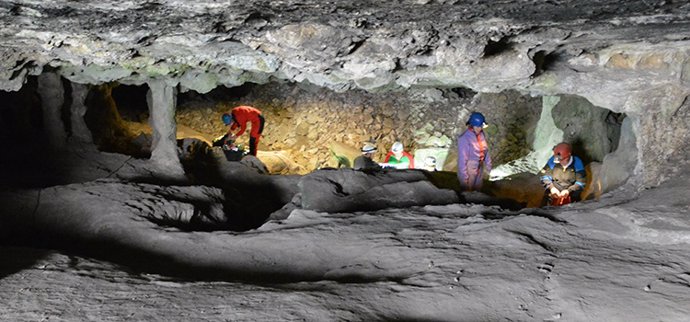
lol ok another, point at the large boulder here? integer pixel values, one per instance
(351, 190)
(278, 162)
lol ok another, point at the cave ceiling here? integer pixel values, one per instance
(341, 45)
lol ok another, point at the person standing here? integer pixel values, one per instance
(563, 176)
(238, 118)
(473, 153)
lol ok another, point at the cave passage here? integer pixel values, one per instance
(310, 128)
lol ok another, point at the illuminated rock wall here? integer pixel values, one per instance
(306, 121)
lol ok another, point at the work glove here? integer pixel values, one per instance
(564, 193)
(554, 191)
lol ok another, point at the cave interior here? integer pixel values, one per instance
(116, 203)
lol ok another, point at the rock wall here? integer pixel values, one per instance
(306, 120)
(593, 131)
(617, 166)
(664, 141)
(646, 82)
(542, 138)
(513, 119)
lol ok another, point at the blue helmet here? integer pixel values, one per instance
(227, 119)
(476, 119)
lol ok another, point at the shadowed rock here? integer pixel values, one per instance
(352, 190)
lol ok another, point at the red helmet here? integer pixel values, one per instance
(562, 151)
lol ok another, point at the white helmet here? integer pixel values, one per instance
(368, 148)
(397, 147)
(430, 161)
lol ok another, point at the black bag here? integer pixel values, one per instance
(219, 140)
(233, 154)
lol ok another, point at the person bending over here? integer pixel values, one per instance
(238, 119)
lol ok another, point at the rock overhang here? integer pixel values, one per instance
(339, 45)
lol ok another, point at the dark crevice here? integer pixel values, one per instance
(543, 61)
(257, 18)
(16, 10)
(501, 214)
(131, 102)
(425, 51)
(16, 258)
(107, 110)
(355, 46)
(614, 121)
(398, 66)
(463, 92)
(685, 104)
(338, 188)
(66, 111)
(494, 48)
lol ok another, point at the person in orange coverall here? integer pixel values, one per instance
(238, 118)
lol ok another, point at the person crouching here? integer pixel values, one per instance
(563, 177)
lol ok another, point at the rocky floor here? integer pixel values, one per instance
(93, 250)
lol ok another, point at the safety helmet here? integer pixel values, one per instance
(476, 119)
(430, 161)
(227, 119)
(562, 151)
(397, 147)
(368, 148)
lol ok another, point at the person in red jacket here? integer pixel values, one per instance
(399, 158)
(238, 118)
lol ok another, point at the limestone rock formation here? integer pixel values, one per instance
(111, 211)
(349, 190)
(543, 48)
